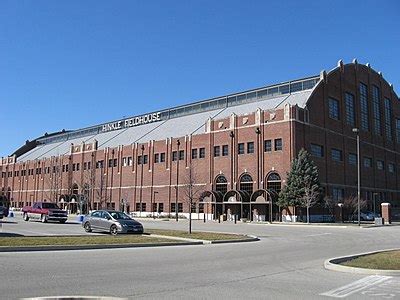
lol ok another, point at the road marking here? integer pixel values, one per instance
(318, 234)
(356, 286)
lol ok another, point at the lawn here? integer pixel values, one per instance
(385, 261)
(208, 236)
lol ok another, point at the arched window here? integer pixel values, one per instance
(221, 184)
(246, 183)
(274, 182)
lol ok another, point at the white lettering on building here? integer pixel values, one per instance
(149, 118)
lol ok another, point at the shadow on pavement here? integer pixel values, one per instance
(8, 234)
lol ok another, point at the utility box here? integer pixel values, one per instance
(379, 221)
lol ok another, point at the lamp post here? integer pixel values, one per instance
(177, 181)
(141, 181)
(357, 131)
(374, 202)
(154, 202)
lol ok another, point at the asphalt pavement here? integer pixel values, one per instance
(286, 263)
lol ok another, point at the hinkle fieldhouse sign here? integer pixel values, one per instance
(131, 122)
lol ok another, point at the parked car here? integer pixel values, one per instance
(3, 212)
(368, 216)
(111, 221)
(44, 211)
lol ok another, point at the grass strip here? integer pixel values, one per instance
(208, 236)
(81, 240)
(383, 261)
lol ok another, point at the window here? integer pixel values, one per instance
(225, 150)
(99, 164)
(317, 150)
(174, 155)
(160, 207)
(162, 157)
(181, 154)
(388, 119)
(337, 194)
(241, 148)
(201, 208)
(278, 144)
(157, 157)
(124, 161)
(391, 167)
(380, 165)
(364, 107)
(194, 153)
(66, 168)
(173, 207)
(110, 163)
(85, 165)
(334, 109)
(73, 168)
(398, 130)
(377, 109)
(202, 152)
(367, 162)
(350, 114)
(140, 160)
(250, 147)
(180, 207)
(78, 166)
(193, 210)
(352, 159)
(145, 159)
(336, 155)
(216, 151)
(130, 161)
(267, 146)
(154, 207)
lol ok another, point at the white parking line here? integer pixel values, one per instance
(318, 234)
(356, 286)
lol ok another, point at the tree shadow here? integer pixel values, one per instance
(8, 234)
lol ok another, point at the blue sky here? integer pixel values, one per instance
(72, 64)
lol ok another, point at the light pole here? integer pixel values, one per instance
(141, 181)
(357, 131)
(154, 202)
(177, 181)
(374, 202)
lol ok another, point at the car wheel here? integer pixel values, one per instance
(87, 227)
(43, 218)
(113, 230)
(25, 217)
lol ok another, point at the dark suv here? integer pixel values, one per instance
(3, 212)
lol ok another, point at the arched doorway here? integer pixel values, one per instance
(274, 185)
(221, 187)
(246, 189)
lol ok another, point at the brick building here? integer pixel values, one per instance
(237, 149)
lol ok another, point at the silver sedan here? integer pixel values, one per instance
(111, 221)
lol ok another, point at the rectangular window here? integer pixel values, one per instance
(267, 146)
(336, 155)
(278, 144)
(350, 113)
(367, 162)
(162, 157)
(250, 147)
(160, 207)
(193, 210)
(352, 159)
(181, 154)
(88, 165)
(377, 110)
(398, 130)
(140, 160)
(225, 150)
(99, 164)
(317, 150)
(85, 165)
(391, 167)
(180, 207)
(173, 207)
(388, 119)
(216, 151)
(202, 152)
(364, 107)
(73, 168)
(201, 208)
(174, 155)
(66, 168)
(78, 166)
(241, 148)
(124, 161)
(145, 159)
(157, 158)
(194, 153)
(380, 165)
(130, 161)
(337, 194)
(334, 109)
(154, 207)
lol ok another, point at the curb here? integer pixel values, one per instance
(333, 264)
(250, 238)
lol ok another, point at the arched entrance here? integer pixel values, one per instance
(274, 186)
(246, 188)
(221, 187)
(212, 201)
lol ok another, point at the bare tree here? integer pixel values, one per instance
(351, 206)
(54, 180)
(191, 191)
(310, 197)
(100, 189)
(330, 204)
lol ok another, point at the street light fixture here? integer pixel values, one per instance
(357, 131)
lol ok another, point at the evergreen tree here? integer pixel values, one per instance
(303, 174)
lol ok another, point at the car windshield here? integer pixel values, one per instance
(119, 215)
(49, 205)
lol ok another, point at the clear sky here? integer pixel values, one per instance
(71, 64)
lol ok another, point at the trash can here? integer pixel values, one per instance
(80, 218)
(378, 221)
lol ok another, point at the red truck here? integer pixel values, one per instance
(44, 211)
